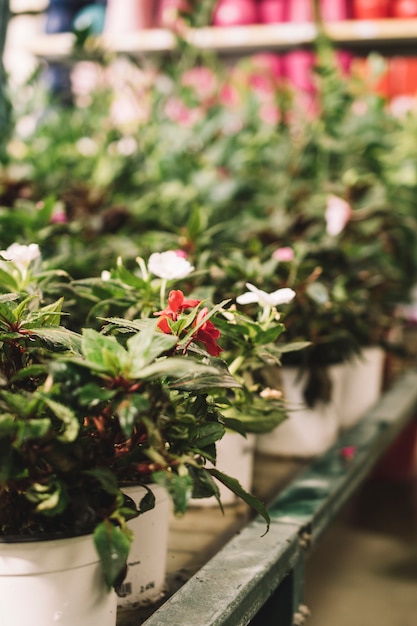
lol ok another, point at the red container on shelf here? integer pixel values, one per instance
(272, 11)
(235, 13)
(404, 8)
(360, 67)
(370, 9)
(402, 76)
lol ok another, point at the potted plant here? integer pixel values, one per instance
(82, 415)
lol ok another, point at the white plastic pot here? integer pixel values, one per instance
(145, 579)
(363, 384)
(235, 457)
(54, 583)
(308, 432)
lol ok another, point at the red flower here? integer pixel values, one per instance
(206, 332)
(176, 304)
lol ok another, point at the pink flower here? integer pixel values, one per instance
(202, 81)
(348, 452)
(178, 112)
(337, 215)
(283, 254)
(261, 84)
(229, 95)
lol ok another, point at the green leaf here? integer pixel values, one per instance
(145, 347)
(270, 335)
(29, 372)
(128, 411)
(105, 478)
(59, 336)
(236, 487)
(50, 314)
(294, 346)
(179, 487)
(103, 352)
(66, 416)
(173, 367)
(112, 544)
(206, 434)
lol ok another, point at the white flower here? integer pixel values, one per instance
(21, 255)
(105, 275)
(169, 265)
(281, 296)
(338, 213)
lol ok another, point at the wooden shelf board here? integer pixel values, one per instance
(255, 37)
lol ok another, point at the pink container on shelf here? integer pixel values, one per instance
(334, 10)
(298, 64)
(128, 16)
(300, 11)
(272, 11)
(235, 13)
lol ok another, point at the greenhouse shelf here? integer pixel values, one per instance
(257, 577)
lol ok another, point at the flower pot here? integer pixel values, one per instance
(145, 579)
(404, 8)
(300, 11)
(370, 9)
(334, 10)
(235, 457)
(308, 432)
(363, 384)
(235, 13)
(128, 16)
(402, 76)
(272, 11)
(54, 582)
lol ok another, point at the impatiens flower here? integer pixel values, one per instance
(21, 255)
(169, 265)
(176, 304)
(283, 254)
(202, 81)
(348, 453)
(264, 299)
(337, 215)
(177, 111)
(205, 331)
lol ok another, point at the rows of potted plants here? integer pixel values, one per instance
(203, 231)
(89, 414)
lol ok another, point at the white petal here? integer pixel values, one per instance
(282, 296)
(247, 298)
(169, 265)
